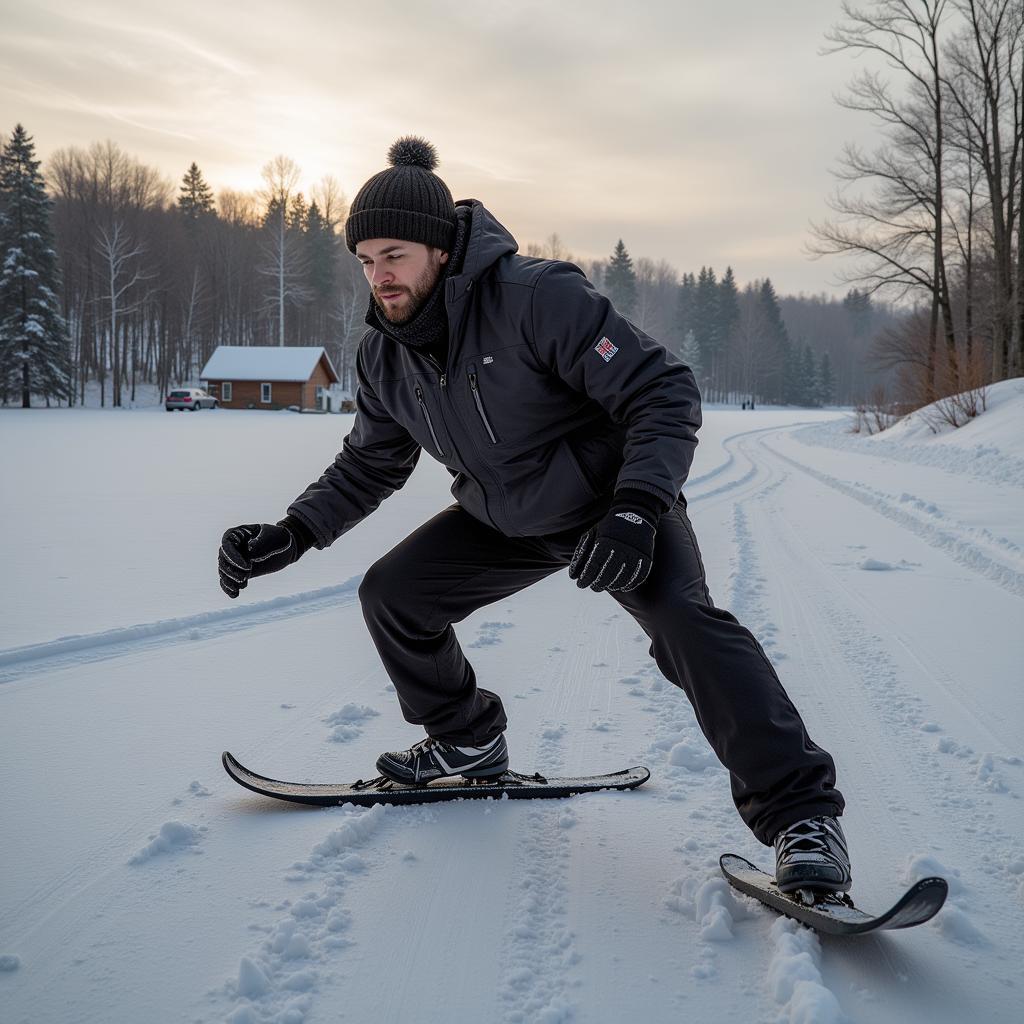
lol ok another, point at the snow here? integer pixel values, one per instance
(794, 976)
(173, 835)
(883, 576)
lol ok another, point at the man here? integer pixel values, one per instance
(569, 433)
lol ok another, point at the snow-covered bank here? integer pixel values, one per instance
(139, 883)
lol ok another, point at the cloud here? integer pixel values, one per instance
(698, 133)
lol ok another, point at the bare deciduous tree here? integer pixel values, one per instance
(987, 101)
(283, 259)
(120, 257)
(898, 229)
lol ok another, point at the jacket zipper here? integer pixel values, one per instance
(426, 414)
(480, 404)
(443, 381)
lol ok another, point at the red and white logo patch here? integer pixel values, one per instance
(605, 349)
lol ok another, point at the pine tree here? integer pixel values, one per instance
(195, 197)
(686, 306)
(807, 378)
(858, 307)
(778, 362)
(705, 325)
(322, 246)
(620, 281)
(297, 213)
(728, 321)
(826, 381)
(34, 344)
(690, 353)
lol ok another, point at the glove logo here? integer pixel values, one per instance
(605, 349)
(630, 517)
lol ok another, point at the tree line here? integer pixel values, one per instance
(745, 344)
(138, 282)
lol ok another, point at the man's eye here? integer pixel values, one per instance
(395, 256)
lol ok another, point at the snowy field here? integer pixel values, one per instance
(884, 576)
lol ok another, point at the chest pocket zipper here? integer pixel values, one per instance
(426, 416)
(480, 405)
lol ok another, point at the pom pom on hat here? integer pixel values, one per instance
(412, 151)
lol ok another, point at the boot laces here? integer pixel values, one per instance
(810, 836)
(416, 751)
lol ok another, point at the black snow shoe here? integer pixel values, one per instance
(812, 854)
(435, 759)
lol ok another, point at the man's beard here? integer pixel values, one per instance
(405, 308)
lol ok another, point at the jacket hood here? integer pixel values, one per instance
(489, 240)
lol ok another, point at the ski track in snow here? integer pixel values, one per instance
(538, 948)
(794, 975)
(17, 662)
(964, 551)
(934, 769)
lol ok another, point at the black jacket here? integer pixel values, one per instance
(550, 401)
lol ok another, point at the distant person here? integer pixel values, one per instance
(569, 433)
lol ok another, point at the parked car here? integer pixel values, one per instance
(189, 398)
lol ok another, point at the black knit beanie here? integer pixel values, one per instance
(406, 201)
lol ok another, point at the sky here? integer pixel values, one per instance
(700, 133)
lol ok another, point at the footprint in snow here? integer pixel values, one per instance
(490, 633)
(874, 565)
(195, 788)
(347, 722)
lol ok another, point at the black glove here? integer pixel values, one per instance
(617, 553)
(256, 550)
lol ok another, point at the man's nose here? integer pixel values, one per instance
(381, 275)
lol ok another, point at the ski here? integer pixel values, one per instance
(834, 913)
(509, 785)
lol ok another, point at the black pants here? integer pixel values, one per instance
(454, 564)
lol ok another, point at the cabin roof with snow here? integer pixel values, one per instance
(266, 363)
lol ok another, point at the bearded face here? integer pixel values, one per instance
(401, 275)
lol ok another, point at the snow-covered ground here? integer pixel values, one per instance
(884, 576)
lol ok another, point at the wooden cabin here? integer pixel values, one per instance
(269, 377)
